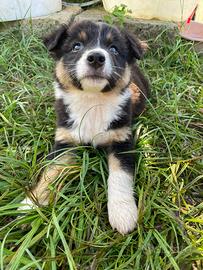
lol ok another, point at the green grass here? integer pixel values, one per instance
(73, 232)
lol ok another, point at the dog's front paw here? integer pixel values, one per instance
(122, 215)
(27, 204)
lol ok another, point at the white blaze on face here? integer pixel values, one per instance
(84, 71)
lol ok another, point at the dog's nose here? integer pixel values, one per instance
(96, 59)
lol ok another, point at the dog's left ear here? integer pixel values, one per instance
(136, 47)
(55, 40)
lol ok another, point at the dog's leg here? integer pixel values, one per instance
(61, 158)
(122, 209)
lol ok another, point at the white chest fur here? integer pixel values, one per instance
(91, 113)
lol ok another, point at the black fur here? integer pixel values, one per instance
(58, 149)
(120, 151)
(134, 47)
(140, 80)
(125, 117)
(110, 85)
(62, 111)
(55, 41)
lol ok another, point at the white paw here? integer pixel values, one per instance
(27, 204)
(122, 215)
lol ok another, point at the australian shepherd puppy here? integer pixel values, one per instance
(98, 90)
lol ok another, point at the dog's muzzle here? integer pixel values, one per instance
(94, 69)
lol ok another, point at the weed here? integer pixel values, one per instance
(118, 15)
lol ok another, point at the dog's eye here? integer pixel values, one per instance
(113, 50)
(77, 46)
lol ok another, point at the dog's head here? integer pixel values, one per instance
(93, 56)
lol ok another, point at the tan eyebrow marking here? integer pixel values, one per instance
(83, 35)
(109, 36)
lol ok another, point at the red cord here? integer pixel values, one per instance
(191, 16)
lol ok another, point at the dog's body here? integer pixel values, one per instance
(98, 90)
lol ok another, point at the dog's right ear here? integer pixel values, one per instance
(55, 40)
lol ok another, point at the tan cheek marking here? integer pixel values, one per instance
(126, 77)
(109, 37)
(135, 93)
(83, 35)
(64, 77)
(63, 135)
(122, 82)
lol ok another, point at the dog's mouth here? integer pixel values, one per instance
(93, 83)
(94, 77)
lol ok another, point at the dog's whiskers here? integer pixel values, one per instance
(118, 67)
(119, 76)
(69, 65)
(116, 73)
(72, 71)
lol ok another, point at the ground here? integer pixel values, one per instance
(74, 232)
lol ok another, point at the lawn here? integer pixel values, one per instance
(74, 232)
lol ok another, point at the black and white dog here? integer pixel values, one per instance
(98, 90)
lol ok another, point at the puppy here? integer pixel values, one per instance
(98, 90)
